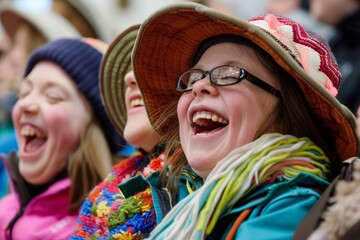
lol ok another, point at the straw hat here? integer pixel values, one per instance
(50, 24)
(114, 66)
(167, 42)
(101, 24)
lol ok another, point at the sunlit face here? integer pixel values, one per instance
(214, 120)
(138, 130)
(49, 117)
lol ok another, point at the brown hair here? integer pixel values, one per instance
(89, 165)
(293, 116)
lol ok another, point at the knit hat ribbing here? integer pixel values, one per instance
(80, 59)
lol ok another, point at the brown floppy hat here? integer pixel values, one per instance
(168, 40)
(50, 24)
(114, 66)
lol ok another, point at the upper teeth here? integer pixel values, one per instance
(29, 132)
(208, 115)
(136, 102)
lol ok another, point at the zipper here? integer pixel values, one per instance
(11, 224)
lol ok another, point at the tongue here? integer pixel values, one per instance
(207, 126)
(34, 144)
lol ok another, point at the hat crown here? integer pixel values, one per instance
(309, 49)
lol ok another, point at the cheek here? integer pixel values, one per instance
(16, 118)
(127, 92)
(137, 123)
(15, 113)
(65, 121)
(58, 117)
(247, 110)
(182, 108)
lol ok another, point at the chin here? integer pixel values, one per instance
(202, 173)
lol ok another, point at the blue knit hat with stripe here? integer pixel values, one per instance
(80, 59)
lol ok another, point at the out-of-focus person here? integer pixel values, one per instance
(239, 8)
(88, 17)
(4, 125)
(344, 15)
(298, 10)
(23, 32)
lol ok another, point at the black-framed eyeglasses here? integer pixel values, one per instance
(222, 76)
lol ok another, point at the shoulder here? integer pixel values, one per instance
(9, 205)
(279, 216)
(275, 210)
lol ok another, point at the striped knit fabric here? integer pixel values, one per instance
(308, 48)
(271, 158)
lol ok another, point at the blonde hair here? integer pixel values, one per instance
(89, 164)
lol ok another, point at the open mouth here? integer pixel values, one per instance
(205, 122)
(137, 102)
(34, 138)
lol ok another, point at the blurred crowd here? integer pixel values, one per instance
(25, 29)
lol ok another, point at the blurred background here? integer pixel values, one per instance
(27, 24)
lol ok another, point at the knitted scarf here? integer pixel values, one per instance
(95, 211)
(269, 158)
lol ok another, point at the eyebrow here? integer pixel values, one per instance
(48, 84)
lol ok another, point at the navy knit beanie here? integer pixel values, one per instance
(80, 59)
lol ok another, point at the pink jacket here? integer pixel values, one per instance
(45, 217)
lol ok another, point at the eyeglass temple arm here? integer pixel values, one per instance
(264, 85)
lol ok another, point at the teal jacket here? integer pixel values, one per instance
(276, 209)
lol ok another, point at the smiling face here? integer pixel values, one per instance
(49, 118)
(138, 130)
(214, 120)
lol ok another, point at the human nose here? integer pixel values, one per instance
(130, 80)
(28, 104)
(204, 86)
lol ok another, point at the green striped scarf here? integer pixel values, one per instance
(261, 161)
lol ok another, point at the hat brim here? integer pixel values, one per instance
(114, 66)
(51, 25)
(95, 17)
(168, 39)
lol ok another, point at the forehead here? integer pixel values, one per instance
(49, 72)
(227, 53)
